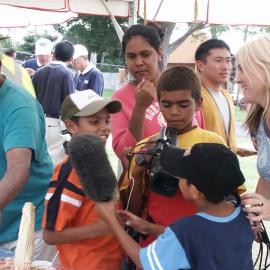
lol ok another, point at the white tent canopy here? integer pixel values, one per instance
(11, 17)
(95, 7)
(35, 12)
(230, 12)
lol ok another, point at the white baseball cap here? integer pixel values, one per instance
(43, 47)
(87, 103)
(79, 50)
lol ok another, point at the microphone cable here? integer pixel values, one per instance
(264, 241)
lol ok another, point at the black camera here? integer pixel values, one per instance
(160, 181)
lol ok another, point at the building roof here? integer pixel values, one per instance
(184, 54)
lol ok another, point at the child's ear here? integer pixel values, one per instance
(195, 193)
(199, 104)
(71, 126)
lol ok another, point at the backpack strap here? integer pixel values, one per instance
(54, 201)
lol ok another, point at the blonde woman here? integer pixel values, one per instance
(253, 76)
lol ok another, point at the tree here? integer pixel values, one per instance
(252, 30)
(97, 33)
(168, 47)
(5, 43)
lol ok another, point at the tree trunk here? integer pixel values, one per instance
(213, 32)
(102, 59)
(168, 29)
(169, 48)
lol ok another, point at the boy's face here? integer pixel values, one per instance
(178, 108)
(217, 67)
(98, 124)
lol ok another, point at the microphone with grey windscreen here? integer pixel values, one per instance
(88, 157)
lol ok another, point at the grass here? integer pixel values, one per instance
(249, 169)
(107, 93)
(240, 116)
(247, 164)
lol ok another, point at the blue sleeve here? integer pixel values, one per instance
(26, 64)
(31, 63)
(96, 83)
(68, 86)
(164, 253)
(76, 79)
(35, 80)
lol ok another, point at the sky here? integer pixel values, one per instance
(235, 39)
(17, 34)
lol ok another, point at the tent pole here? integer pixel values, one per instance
(117, 27)
(133, 13)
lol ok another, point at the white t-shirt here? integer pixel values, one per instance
(223, 107)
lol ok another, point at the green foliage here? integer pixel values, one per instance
(30, 40)
(217, 30)
(5, 43)
(240, 116)
(97, 33)
(249, 30)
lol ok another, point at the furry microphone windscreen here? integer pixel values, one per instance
(88, 157)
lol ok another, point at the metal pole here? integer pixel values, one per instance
(133, 13)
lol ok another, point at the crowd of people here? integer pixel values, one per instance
(181, 189)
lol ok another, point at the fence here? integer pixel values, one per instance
(111, 81)
(114, 78)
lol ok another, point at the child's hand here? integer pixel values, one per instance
(30, 71)
(126, 157)
(106, 210)
(146, 154)
(137, 223)
(242, 152)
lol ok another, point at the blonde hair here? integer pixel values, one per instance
(254, 59)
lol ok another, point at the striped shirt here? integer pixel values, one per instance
(67, 206)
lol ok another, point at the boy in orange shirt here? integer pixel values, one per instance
(70, 221)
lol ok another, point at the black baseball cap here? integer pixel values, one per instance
(213, 168)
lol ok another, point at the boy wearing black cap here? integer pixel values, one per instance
(217, 237)
(70, 221)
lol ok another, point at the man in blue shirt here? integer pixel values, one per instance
(52, 84)
(25, 165)
(88, 76)
(43, 52)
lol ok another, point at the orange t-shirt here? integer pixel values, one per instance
(67, 206)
